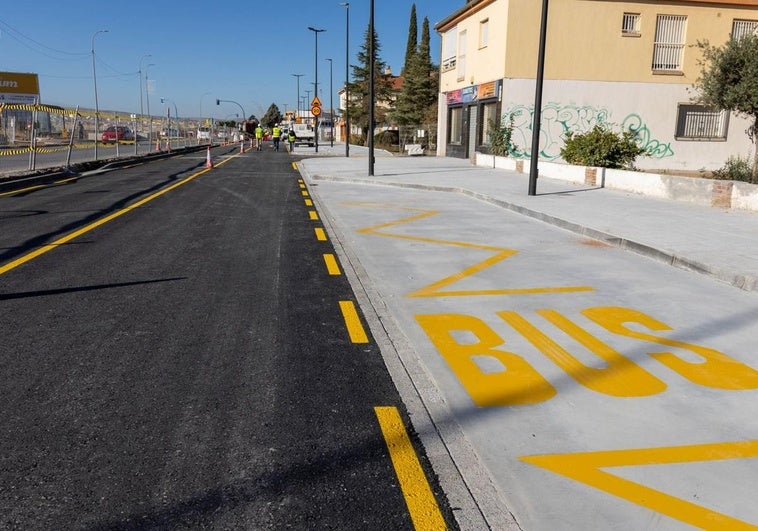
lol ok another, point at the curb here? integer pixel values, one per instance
(738, 280)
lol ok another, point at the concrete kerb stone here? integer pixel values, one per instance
(478, 503)
(744, 282)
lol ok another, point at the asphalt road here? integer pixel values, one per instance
(180, 360)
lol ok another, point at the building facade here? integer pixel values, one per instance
(628, 65)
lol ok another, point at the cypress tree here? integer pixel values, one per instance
(411, 46)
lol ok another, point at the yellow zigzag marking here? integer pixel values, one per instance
(586, 467)
(436, 288)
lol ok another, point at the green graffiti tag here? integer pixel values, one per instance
(558, 119)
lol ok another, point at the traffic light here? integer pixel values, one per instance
(218, 101)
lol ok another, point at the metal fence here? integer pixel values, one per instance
(44, 129)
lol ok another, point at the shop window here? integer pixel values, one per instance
(489, 121)
(455, 121)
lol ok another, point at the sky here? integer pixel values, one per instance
(200, 51)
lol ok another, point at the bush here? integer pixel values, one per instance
(736, 169)
(500, 138)
(601, 147)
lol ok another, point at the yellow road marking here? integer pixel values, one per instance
(320, 234)
(22, 190)
(313, 215)
(353, 322)
(422, 506)
(308, 202)
(305, 193)
(302, 186)
(331, 264)
(294, 166)
(435, 289)
(586, 468)
(102, 221)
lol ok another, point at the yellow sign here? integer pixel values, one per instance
(18, 87)
(316, 110)
(315, 102)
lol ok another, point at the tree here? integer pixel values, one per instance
(359, 94)
(728, 81)
(417, 102)
(412, 44)
(272, 116)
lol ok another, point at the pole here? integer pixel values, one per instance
(315, 88)
(371, 90)
(141, 110)
(298, 76)
(149, 117)
(331, 103)
(533, 167)
(94, 80)
(347, 78)
(71, 138)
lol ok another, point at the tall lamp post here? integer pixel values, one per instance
(94, 80)
(371, 62)
(315, 93)
(141, 110)
(331, 104)
(149, 116)
(533, 165)
(347, 77)
(298, 76)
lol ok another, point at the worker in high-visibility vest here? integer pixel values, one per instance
(277, 132)
(258, 137)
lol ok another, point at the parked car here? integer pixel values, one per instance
(203, 133)
(117, 133)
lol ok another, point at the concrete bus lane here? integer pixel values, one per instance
(599, 389)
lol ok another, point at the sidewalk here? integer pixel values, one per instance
(716, 242)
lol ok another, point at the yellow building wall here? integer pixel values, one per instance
(585, 41)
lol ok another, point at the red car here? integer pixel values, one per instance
(117, 133)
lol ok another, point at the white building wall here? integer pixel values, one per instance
(649, 108)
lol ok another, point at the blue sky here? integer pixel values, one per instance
(243, 51)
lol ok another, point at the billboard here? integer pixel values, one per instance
(19, 88)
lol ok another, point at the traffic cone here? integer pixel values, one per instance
(242, 146)
(208, 161)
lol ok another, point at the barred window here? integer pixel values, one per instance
(449, 42)
(669, 42)
(630, 24)
(741, 28)
(698, 122)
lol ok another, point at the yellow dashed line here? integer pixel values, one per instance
(312, 215)
(353, 322)
(320, 234)
(305, 193)
(331, 264)
(308, 202)
(422, 506)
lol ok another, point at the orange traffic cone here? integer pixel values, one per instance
(208, 161)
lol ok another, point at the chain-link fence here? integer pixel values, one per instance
(408, 139)
(32, 130)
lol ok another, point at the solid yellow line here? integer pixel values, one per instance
(331, 264)
(87, 228)
(22, 190)
(320, 234)
(313, 215)
(422, 506)
(353, 322)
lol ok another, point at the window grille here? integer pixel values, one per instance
(669, 42)
(630, 24)
(449, 42)
(741, 28)
(697, 122)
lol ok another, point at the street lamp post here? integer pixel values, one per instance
(331, 103)
(371, 54)
(298, 76)
(533, 163)
(141, 110)
(316, 32)
(94, 80)
(149, 116)
(347, 77)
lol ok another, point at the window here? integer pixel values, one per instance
(489, 120)
(741, 28)
(697, 122)
(449, 49)
(484, 29)
(462, 55)
(630, 25)
(455, 135)
(669, 42)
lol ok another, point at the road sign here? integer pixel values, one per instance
(19, 88)
(316, 110)
(315, 102)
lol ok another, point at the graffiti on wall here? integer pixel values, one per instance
(558, 119)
